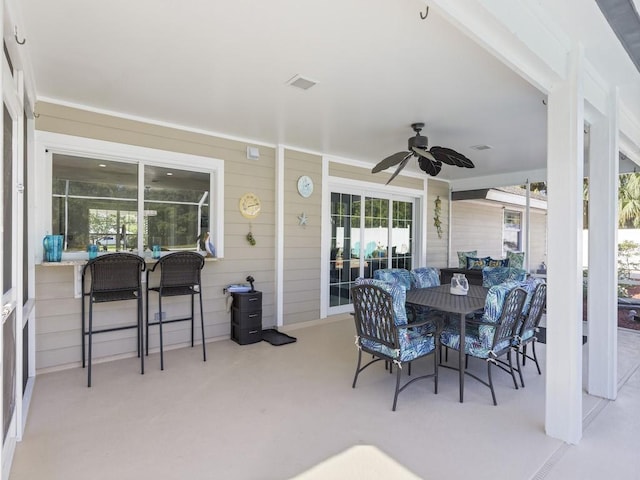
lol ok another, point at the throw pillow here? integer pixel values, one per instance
(516, 259)
(474, 263)
(462, 257)
(498, 262)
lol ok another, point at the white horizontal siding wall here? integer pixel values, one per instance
(58, 332)
(477, 225)
(301, 275)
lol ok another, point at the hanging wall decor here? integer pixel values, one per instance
(436, 215)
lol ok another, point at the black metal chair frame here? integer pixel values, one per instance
(179, 275)
(531, 322)
(373, 314)
(505, 332)
(114, 277)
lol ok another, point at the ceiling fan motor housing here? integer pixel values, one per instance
(418, 141)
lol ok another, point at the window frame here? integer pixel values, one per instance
(48, 144)
(366, 189)
(505, 213)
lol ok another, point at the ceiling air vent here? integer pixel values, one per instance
(301, 82)
(481, 147)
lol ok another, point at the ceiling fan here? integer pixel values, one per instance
(430, 161)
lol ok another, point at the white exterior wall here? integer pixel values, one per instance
(477, 225)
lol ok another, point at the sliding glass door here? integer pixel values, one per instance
(367, 233)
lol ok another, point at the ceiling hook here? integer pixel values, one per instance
(24, 40)
(423, 17)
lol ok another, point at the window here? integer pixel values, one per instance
(96, 202)
(176, 207)
(125, 198)
(512, 232)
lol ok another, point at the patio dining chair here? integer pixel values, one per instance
(528, 329)
(383, 332)
(492, 336)
(113, 277)
(179, 275)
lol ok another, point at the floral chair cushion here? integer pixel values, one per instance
(496, 275)
(414, 341)
(393, 275)
(530, 286)
(425, 277)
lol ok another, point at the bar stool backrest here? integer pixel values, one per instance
(181, 269)
(115, 272)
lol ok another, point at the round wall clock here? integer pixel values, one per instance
(305, 186)
(250, 205)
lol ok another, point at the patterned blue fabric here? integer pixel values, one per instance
(462, 257)
(498, 262)
(516, 259)
(414, 341)
(398, 297)
(393, 275)
(480, 343)
(474, 263)
(416, 345)
(425, 277)
(529, 285)
(496, 275)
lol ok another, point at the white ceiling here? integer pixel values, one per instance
(222, 66)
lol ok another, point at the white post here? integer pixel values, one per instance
(279, 266)
(565, 137)
(603, 249)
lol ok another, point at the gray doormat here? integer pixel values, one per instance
(542, 336)
(274, 337)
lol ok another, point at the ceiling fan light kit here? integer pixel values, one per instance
(429, 161)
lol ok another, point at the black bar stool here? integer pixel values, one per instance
(114, 277)
(179, 275)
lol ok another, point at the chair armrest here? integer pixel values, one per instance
(473, 321)
(437, 319)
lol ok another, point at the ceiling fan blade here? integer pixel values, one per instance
(399, 169)
(430, 167)
(451, 157)
(390, 161)
(424, 153)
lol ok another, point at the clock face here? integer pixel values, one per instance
(250, 205)
(305, 186)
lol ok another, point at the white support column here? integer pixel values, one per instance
(603, 250)
(280, 166)
(565, 118)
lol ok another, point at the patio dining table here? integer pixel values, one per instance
(440, 298)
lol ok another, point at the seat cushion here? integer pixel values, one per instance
(415, 343)
(425, 277)
(399, 275)
(474, 345)
(398, 297)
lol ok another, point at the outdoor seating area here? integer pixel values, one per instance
(489, 322)
(437, 256)
(243, 405)
(113, 277)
